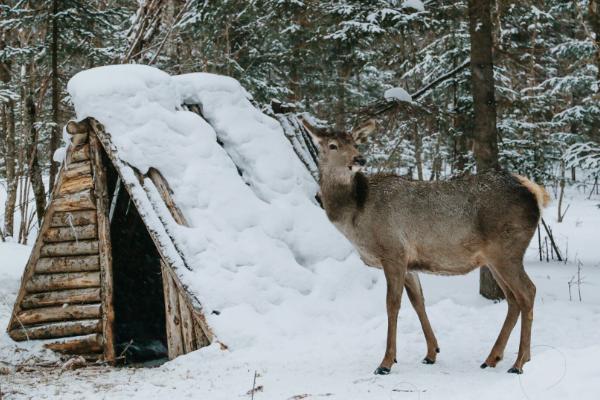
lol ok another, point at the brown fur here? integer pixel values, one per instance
(446, 227)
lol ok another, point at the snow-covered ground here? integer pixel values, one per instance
(337, 363)
(297, 307)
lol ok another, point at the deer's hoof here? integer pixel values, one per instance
(483, 366)
(382, 371)
(515, 370)
(428, 361)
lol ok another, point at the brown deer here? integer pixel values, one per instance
(445, 227)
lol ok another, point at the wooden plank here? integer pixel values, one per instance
(167, 195)
(80, 153)
(69, 234)
(73, 218)
(75, 201)
(78, 344)
(52, 265)
(61, 297)
(172, 315)
(77, 184)
(80, 248)
(57, 330)
(200, 338)
(50, 282)
(52, 314)
(105, 248)
(187, 325)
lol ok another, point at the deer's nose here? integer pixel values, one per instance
(360, 160)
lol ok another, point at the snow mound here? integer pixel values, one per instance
(261, 251)
(397, 93)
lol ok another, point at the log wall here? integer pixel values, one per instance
(66, 290)
(61, 292)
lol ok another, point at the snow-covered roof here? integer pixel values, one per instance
(259, 249)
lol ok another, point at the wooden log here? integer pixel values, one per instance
(52, 314)
(69, 234)
(105, 248)
(78, 131)
(79, 139)
(167, 195)
(78, 169)
(52, 265)
(187, 326)
(80, 153)
(33, 258)
(172, 315)
(73, 218)
(76, 184)
(61, 297)
(57, 330)
(75, 201)
(80, 248)
(74, 127)
(78, 345)
(50, 282)
(200, 337)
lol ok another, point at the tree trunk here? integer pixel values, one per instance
(10, 156)
(55, 135)
(35, 172)
(485, 145)
(418, 151)
(10, 153)
(594, 17)
(561, 184)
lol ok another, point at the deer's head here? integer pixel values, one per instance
(338, 149)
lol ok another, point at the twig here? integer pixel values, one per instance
(558, 255)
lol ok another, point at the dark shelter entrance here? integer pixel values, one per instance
(138, 297)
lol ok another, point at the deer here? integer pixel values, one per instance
(448, 227)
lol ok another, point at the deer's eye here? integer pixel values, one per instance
(332, 146)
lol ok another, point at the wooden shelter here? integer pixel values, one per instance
(102, 277)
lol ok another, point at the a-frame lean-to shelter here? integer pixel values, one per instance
(101, 280)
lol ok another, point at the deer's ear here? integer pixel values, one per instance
(361, 133)
(318, 134)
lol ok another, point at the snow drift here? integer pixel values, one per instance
(261, 251)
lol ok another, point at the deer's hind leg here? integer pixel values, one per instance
(412, 284)
(517, 281)
(512, 315)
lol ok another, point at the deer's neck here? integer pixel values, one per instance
(343, 193)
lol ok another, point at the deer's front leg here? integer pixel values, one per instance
(394, 276)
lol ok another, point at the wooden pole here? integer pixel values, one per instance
(105, 249)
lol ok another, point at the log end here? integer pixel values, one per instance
(75, 128)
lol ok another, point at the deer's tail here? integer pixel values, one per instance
(541, 194)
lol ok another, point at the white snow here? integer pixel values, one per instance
(296, 304)
(397, 93)
(416, 4)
